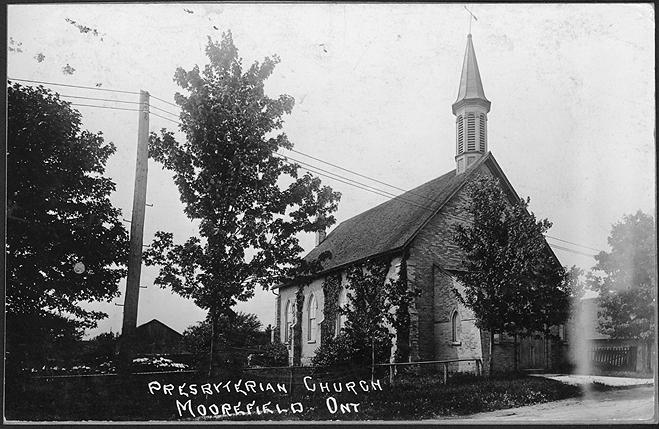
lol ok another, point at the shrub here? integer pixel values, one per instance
(274, 354)
(343, 351)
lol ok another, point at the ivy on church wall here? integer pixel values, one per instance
(331, 291)
(297, 328)
(401, 297)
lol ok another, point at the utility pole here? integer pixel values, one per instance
(136, 236)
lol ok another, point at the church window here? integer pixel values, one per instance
(471, 132)
(289, 321)
(455, 322)
(483, 132)
(460, 136)
(312, 311)
(340, 317)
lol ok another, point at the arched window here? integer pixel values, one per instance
(289, 321)
(312, 310)
(339, 317)
(455, 321)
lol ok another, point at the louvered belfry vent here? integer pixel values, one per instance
(460, 136)
(471, 132)
(482, 133)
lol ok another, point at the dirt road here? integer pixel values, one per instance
(631, 404)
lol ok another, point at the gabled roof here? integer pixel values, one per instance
(471, 86)
(157, 322)
(390, 226)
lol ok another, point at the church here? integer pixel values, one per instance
(414, 232)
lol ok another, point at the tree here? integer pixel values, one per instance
(101, 349)
(372, 307)
(512, 281)
(626, 279)
(65, 240)
(233, 332)
(233, 181)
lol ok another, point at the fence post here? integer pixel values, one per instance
(290, 381)
(391, 374)
(445, 372)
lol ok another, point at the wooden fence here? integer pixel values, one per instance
(614, 358)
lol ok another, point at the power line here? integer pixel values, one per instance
(309, 167)
(411, 193)
(167, 119)
(556, 246)
(432, 200)
(167, 102)
(343, 177)
(359, 185)
(347, 170)
(105, 107)
(163, 110)
(576, 244)
(99, 99)
(384, 193)
(310, 170)
(74, 86)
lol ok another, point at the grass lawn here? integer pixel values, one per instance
(411, 398)
(416, 398)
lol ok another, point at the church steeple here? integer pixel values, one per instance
(471, 110)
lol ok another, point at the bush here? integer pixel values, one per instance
(274, 354)
(342, 351)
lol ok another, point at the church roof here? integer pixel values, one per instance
(471, 86)
(391, 225)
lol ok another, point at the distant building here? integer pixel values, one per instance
(154, 337)
(415, 231)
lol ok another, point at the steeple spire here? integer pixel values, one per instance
(470, 108)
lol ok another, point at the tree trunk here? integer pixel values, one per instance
(212, 346)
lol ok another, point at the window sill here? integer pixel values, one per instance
(456, 343)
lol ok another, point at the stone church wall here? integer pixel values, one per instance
(433, 248)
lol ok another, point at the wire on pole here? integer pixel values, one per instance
(167, 119)
(73, 86)
(163, 110)
(104, 107)
(167, 102)
(99, 99)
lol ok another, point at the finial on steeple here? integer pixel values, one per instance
(471, 17)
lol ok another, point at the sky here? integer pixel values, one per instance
(572, 121)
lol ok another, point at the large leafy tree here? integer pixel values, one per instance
(250, 202)
(59, 218)
(512, 281)
(626, 279)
